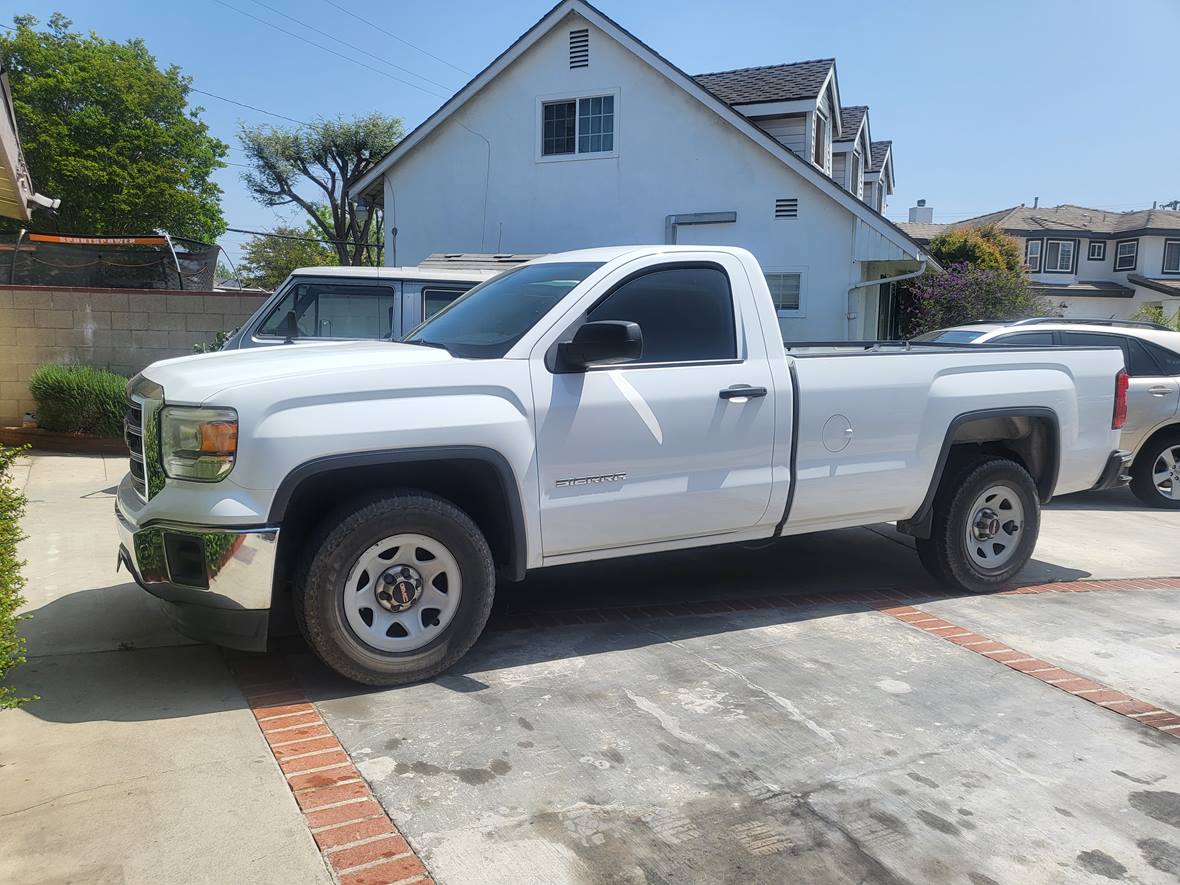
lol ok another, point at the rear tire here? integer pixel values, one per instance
(1152, 462)
(985, 525)
(351, 614)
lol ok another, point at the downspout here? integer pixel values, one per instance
(905, 276)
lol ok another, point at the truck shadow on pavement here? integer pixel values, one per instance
(110, 654)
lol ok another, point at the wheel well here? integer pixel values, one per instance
(1029, 441)
(1168, 430)
(473, 485)
(1028, 438)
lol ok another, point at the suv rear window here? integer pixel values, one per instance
(328, 310)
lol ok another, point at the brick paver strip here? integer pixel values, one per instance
(1096, 693)
(359, 843)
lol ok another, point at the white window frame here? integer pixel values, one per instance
(801, 271)
(1164, 262)
(575, 97)
(1073, 254)
(1028, 254)
(1118, 258)
(1101, 256)
(823, 124)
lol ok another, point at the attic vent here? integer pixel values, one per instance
(787, 207)
(580, 48)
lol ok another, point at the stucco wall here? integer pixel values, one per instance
(477, 182)
(123, 330)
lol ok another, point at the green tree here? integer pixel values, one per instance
(984, 247)
(266, 261)
(325, 159)
(110, 133)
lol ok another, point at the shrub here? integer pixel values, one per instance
(1150, 313)
(985, 247)
(210, 346)
(79, 399)
(12, 645)
(968, 294)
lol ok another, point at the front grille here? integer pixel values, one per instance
(133, 435)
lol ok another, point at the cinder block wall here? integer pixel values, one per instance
(123, 330)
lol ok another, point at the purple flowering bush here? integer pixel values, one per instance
(968, 294)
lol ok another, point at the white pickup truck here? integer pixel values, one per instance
(591, 404)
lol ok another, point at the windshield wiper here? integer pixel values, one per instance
(424, 343)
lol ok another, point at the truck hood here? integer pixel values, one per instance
(194, 379)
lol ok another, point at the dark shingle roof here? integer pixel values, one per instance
(803, 79)
(1060, 219)
(877, 154)
(850, 120)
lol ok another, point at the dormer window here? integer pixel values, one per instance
(854, 174)
(822, 134)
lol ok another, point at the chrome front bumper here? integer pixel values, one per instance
(217, 582)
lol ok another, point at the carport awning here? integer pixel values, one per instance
(15, 187)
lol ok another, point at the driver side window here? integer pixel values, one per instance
(685, 314)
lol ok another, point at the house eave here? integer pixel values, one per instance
(861, 211)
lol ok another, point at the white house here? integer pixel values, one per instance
(580, 135)
(1095, 264)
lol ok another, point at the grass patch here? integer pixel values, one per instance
(79, 399)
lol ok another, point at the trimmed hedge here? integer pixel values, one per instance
(12, 582)
(79, 399)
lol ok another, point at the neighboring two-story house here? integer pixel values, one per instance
(1093, 263)
(581, 135)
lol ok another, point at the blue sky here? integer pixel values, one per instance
(989, 104)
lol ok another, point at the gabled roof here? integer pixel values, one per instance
(558, 14)
(851, 119)
(1064, 219)
(879, 151)
(786, 82)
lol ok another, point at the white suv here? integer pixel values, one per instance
(1152, 355)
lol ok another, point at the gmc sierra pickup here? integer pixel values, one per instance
(591, 404)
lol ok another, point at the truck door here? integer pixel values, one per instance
(663, 447)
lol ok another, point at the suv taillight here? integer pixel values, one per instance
(1121, 382)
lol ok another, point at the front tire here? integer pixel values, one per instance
(1155, 474)
(395, 589)
(986, 520)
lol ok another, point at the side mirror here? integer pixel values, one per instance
(602, 343)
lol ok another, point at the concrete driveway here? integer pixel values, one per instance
(713, 716)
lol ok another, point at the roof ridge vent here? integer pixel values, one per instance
(580, 48)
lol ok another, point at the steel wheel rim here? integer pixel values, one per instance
(995, 528)
(1165, 473)
(379, 610)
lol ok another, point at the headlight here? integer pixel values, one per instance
(198, 444)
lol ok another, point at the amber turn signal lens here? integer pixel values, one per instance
(219, 438)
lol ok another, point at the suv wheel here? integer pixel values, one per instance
(395, 589)
(1155, 474)
(986, 519)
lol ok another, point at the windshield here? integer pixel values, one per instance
(488, 320)
(950, 336)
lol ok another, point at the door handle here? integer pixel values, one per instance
(742, 392)
(1158, 391)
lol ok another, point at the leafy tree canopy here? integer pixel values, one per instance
(326, 159)
(111, 134)
(267, 261)
(986, 247)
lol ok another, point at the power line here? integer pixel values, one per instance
(352, 46)
(331, 51)
(251, 107)
(396, 37)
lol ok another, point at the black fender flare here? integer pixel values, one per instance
(919, 524)
(517, 561)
